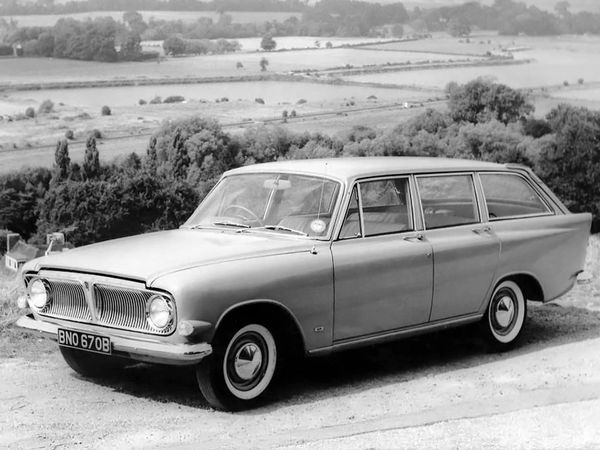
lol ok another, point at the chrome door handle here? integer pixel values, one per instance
(414, 237)
(485, 229)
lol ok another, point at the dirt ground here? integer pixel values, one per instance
(444, 391)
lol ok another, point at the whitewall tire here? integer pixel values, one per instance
(505, 316)
(241, 368)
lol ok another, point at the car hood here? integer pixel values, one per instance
(148, 256)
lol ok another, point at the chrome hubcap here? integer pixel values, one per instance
(505, 310)
(247, 361)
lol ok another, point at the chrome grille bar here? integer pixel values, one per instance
(124, 308)
(67, 301)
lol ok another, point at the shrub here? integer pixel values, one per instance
(224, 99)
(46, 107)
(156, 100)
(141, 101)
(565, 83)
(105, 111)
(259, 100)
(30, 112)
(580, 81)
(301, 101)
(293, 113)
(96, 133)
(69, 134)
(174, 99)
(239, 65)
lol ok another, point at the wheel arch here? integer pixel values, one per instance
(529, 284)
(269, 310)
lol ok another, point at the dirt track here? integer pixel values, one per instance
(443, 390)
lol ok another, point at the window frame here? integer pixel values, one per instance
(356, 184)
(550, 211)
(477, 197)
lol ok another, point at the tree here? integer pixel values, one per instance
(135, 22)
(174, 45)
(571, 166)
(481, 100)
(397, 30)
(180, 160)
(268, 43)
(131, 49)
(264, 63)
(91, 159)
(61, 160)
(458, 27)
(105, 111)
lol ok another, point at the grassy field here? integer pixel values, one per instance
(46, 20)
(556, 59)
(23, 70)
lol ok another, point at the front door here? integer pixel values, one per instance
(383, 268)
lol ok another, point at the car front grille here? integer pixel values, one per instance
(68, 302)
(113, 306)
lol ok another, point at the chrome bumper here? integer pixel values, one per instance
(141, 350)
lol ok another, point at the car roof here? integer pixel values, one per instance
(351, 168)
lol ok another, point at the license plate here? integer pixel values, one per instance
(84, 341)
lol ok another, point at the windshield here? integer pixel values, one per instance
(285, 203)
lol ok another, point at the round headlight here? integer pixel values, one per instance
(38, 294)
(160, 311)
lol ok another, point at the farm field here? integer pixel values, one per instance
(556, 59)
(272, 92)
(294, 42)
(48, 20)
(29, 70)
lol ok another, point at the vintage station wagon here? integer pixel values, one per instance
(316, 256)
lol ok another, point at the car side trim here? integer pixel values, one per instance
(396, 334)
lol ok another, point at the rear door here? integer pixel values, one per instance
(465, 250)
(383, 268)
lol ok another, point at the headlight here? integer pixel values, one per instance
(38, 294)
(159, 311)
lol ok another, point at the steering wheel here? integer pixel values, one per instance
(249, 217)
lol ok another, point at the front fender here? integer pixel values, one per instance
(302, 282)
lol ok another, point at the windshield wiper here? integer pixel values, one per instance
(230, 223)
(282, 228)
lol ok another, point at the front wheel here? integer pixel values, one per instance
(505, 317)
(240, 369)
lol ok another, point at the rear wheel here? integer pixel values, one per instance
(241, 367)
(90, 364)
(505, 317)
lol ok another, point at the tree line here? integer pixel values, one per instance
(184, 159)
(15, 7)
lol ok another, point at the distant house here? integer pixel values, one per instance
(20, 253)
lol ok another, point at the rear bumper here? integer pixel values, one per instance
(138, 349)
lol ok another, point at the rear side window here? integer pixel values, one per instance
(510, 195)
(448, 200)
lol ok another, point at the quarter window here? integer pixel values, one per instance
(448, 200)
(508, 195)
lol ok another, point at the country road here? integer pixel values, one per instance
(442, 391)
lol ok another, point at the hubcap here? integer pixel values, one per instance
(247, 361)
(505, 310)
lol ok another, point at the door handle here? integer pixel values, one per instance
(414, 238)
(480, 231)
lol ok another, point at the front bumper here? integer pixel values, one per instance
(137, 349)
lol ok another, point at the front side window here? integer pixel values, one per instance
(509, 195)
(385, 209)
(286, 203)
(447, 200)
